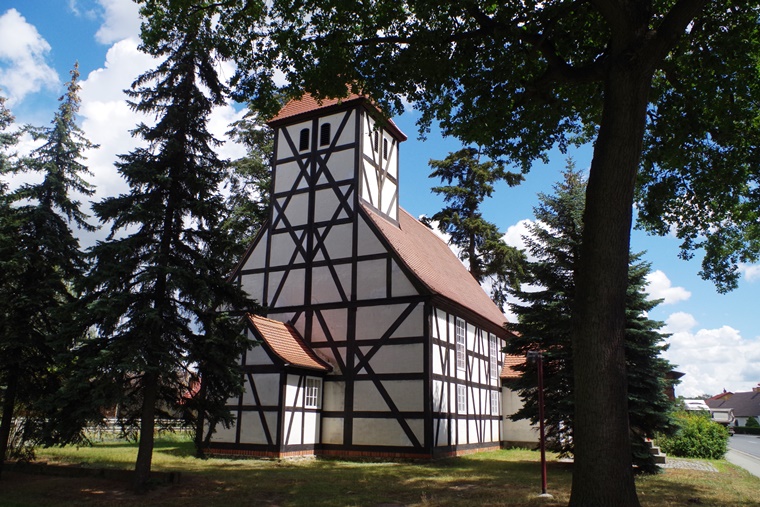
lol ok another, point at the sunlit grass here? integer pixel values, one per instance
(486, 479)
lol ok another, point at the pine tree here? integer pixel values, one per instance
(156, 289)
(469, 183)
(544, 323)
(40, 264)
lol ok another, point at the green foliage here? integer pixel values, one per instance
(479, 241)
(544, 323)
(743, 430)
(697, 437)
(163, 309)
(40, 264)
(752, 423)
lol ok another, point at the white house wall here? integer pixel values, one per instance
(475, 424)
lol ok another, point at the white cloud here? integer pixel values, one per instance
(660, 287)
(751, 271)
(23, 53)
(712, 359)
(121, 20)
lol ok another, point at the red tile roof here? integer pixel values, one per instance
(285, 342)
(509, 371)
(307, 105)
(436, 266)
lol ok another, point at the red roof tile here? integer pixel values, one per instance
(436, 266)
(285, 342)
(508, 371)
(307, 105)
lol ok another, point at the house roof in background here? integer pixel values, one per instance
(434, 264)
(744, 404)
(296, 110)
(509, 371)
(285, 342)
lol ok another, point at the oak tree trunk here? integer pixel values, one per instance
(603, 474)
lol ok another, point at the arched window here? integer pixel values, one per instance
(376, 144)
(303, 141)
(385, 148)
(324, 134)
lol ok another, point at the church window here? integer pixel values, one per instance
(376, 141)
(461, 344)
(461, 399)
(311, 399)
(494, 355)
(303, 140)
(385, 149)
(324, 134)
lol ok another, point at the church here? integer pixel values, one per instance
(376, 341)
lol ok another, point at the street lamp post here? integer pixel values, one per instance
(537, 357)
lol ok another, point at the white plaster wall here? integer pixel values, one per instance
(294, 392)
(334, 396)
(400, 284)
(294, 421)
(373, 321)
(371, 277)
(341, 166)
(385, 432)
(222, 434)
(337, 242)
(332, 430)
(267, 386)
(369, 244)
(324, 288)
(515, 431)
(311, 427)
(292, 291)
(390, 358)
(347, 136)
(337, 322)
(251, 430)
(257, 355)
(285, 176)
(406, 395)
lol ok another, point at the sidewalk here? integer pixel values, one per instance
(744, 460)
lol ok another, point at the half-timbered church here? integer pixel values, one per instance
(376, 341)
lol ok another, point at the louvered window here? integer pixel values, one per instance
(324, 134)
(303, 141)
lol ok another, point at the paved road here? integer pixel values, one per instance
(749, 444)
(744, 451)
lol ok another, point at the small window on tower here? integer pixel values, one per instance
(376, 143)
(385, 149)
(324, 134)
(303, 141)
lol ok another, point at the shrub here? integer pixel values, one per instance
(743, 430)
(697, 437)
(752, 423)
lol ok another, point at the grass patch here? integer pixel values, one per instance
(486, 479)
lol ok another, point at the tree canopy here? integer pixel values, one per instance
(544, 323)
(162, 305)
(469, 182)
(519, 78)
(40, 262)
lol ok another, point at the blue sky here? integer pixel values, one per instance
(715, 338)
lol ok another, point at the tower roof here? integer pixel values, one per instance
(306, 106)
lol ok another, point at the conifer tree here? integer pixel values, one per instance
(156, 289)
(40, 263)
(544, 323)
(469, 182)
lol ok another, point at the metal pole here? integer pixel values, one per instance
(541, 420)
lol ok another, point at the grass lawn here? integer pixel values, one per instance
(493, 478)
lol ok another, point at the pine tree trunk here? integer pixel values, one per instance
(9, 402)
(200, 419)
(147, 429)
(603, 474)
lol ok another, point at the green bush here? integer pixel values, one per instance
(752, 423)
(697, 437)
(743, 430)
